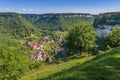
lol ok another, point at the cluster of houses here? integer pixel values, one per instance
(46, 39)
(34, 45)
(40, 54)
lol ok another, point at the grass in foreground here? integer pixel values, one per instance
(48, 70)
(102, 67)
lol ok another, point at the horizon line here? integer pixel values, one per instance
(59, 12)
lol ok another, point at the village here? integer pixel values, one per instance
(40, 52)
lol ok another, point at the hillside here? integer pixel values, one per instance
(58, 21)
(15, 26)
(14, 30)
(104, 23)
(13, 58)
(102, 67)
(112, 19)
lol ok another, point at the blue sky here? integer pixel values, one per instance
(59, 6)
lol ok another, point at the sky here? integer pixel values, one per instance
(59, 6)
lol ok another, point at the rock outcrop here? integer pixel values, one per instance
(104, 23)
(103, 30)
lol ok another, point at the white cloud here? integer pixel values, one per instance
(28, 10)
(24, 9)
(7, 9)
(36, 9)
(32, 10)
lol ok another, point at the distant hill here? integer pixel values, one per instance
(104, 23)
(112, 18)
(60, 21)
(14, 25)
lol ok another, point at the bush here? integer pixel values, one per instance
(113, 38)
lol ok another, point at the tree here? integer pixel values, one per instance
(14, 59)
(80, 39)
(113, 38)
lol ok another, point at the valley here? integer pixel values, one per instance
(59, 46)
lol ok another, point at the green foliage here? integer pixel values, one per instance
(49, 70)
(81, 39)
(53, 22)
(14, 55)
(50, 48)
(102, 67)
(14, 58)
(112, 18)
(16, 26)
(108, 47)
(113, 38)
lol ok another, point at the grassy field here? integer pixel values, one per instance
(105, 66)
(48, 70)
